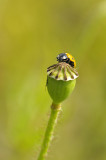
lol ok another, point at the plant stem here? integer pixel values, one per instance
(55, 109)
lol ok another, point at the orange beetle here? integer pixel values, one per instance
(68, 58)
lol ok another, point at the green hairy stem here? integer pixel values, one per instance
(55, 110)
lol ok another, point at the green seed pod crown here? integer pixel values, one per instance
(61, 80)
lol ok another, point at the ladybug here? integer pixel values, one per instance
(68, 58)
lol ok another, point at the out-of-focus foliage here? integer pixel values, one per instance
(32, 33)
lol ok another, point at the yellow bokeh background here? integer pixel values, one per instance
(32, 34)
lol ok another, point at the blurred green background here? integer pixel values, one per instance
(32, 34)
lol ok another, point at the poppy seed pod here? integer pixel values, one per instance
(61, 80)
